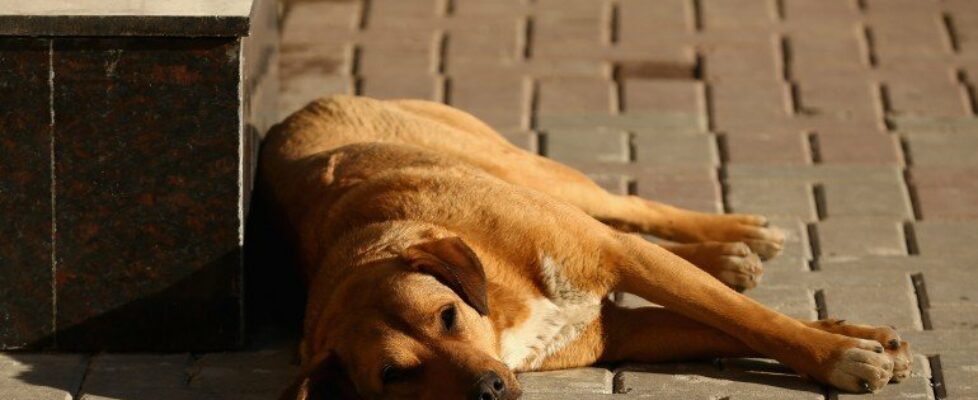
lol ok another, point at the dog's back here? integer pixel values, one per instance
(333, 122)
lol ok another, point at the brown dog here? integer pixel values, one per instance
(439, 259)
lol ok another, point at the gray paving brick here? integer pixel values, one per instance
(773, 198)
(138, 376)
(594, 145)
(840, 238)
(654, 148)
(795, 301)
(577, 380)
(887, 305)
(234, 375)
(867, 199)
(947, 238)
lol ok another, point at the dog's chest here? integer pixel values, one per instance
(554, 321)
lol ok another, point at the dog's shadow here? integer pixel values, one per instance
(732, 377)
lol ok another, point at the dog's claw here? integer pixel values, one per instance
(866, 387)
(894, 344)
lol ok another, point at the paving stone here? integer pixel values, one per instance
(859, 148)
(601, 145)
(773, 198)
(917, 95)
(946, 238)
(943, 149)
(575, 96)
(668, 123)
(956, 316)
(395, 86)
(843, 238)
(780, 148)
(883, 306)
(502, 101)
(737, 14)
(794, 301)
(700, 192)
(748, 100)
(843, 99)
(818, 173)
(654, 148)
(663, 96)
(925, 125)
(234, 375)
(578, 380)
(946, 192)
(867, 199)
(138, 375)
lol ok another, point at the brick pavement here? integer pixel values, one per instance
(850, 122)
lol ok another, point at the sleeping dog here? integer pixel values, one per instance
(440, 259)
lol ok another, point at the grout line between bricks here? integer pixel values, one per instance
(814, 148)
(77, 392)
(697, 6)
(871, 56)
(937, 377)
(910, 238)
(813, 244)
(527, 37)
(969, 92)
(364, 10)
(950, 33)
(923, 301)
(779, 10)
(818, 194)
(613, 11)
(821, 309)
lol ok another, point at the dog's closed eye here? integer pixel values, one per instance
(449, 315)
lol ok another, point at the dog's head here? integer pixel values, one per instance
(415, 326)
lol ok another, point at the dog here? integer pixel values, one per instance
(440, 260)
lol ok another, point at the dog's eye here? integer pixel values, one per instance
(448, 317)
(390, 373)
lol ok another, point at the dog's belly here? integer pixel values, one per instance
(554, 321)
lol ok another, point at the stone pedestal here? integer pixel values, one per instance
(128, 135)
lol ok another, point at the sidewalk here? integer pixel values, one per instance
(850, 123)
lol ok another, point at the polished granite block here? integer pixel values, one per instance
(25, 192)
(182, 18)
(147, 164)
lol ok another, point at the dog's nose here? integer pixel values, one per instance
(489, 387)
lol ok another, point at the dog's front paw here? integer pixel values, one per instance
(862, 367)
(753, 230)
(734, 264)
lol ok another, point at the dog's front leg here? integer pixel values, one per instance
(661, 277)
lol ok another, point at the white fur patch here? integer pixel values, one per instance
(554, 321)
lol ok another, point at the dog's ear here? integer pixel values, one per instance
(452, 262)
(325, 380)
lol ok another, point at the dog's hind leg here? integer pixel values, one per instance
(651, 272)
